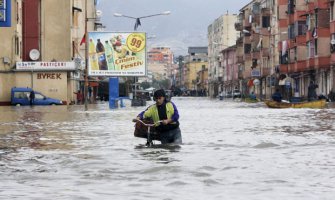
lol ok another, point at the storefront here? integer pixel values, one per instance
(50, 78)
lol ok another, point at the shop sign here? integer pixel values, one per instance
(5, 13)
(49, 76)
(255, 73)
(45, 66)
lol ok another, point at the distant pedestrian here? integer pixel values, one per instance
(312, 91)
(252, 96)
(90, 94)
(79, 97)
(277, 96)
(32, 97)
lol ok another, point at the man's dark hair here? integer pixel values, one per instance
(159, 93)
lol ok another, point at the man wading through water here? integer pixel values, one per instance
(165, 111)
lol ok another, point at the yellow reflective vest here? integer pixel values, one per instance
(152, 112)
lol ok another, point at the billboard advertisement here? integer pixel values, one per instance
(5, 13)
(116, 54)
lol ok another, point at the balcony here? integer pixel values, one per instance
(239, 41)
(266, 72)
(246, 23)
(265, 11)
(238, 26)
(240, 59)
(283, 68)
(322, 62)
(246, 40)
(265, 52)
(255, 55)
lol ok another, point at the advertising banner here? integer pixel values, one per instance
(116, 54)
(5, 13)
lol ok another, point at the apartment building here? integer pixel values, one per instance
(220, 34)
(256, 47)
(194, 62)
(231, 69)
(42, 47)
(306, 54)
(160, 60)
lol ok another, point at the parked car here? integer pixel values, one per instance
(20, 96)
(236, 94)
(229, 94)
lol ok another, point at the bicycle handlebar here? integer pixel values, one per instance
(149, 125)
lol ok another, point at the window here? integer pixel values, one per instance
(300, 28)
(265, 62)
(316, 17)
(331, 11)
(316, 47)
(332, 43)
(283, 57)
(291, 34)
(247, 48)
(290, 7)
(310, 49)
(266, 21)
(17, 46)
(21, 95)
(310, 22)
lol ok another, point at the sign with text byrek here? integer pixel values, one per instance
(116, 54)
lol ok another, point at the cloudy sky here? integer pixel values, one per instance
(185, 26)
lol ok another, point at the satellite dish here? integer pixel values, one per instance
(34, 54)
(256, 82)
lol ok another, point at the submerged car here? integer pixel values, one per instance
(20, 96)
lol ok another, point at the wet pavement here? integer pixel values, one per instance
(231, 150)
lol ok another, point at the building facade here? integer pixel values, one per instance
(286, 45)
(40, 48)
(194, 62)
(221, 34)
(230, 70)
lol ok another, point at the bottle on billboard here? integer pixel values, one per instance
(101, 55)
(93, 56)
(109, 56)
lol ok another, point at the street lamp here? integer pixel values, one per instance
(138, 22)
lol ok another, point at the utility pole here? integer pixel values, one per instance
(86, 59)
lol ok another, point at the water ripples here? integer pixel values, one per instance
(231, 150)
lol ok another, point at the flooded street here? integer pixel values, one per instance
(231, 150)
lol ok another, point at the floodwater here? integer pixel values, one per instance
(231, 150)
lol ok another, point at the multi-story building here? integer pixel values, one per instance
(160, 60)
(40, 47)
(195, 61)
(221, 34)
(202, 81)
(256, 47)
(160, 55)
(306, 53)
(230, 72)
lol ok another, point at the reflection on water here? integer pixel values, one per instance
(231, 150)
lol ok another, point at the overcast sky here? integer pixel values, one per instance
(186, 25)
